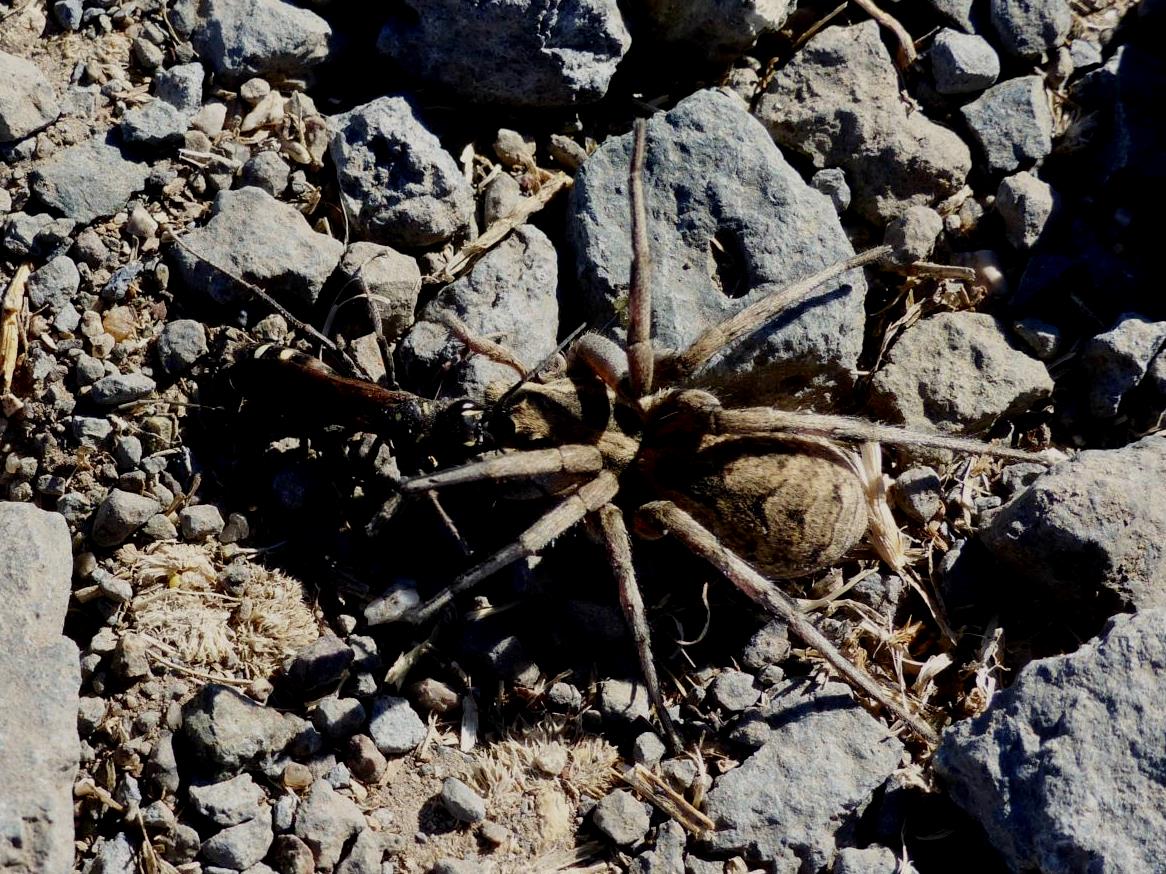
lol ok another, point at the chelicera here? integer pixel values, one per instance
(624, 442)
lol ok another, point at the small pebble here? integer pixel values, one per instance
(462, 802)
(648, 749)
(622, 817)
(200, 522)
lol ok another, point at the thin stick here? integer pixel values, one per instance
(655, 791)
(906, 54)
(619, 553)
(496, 233)
(666, 517)
(639, 346)
(10, 310)
(748, 320)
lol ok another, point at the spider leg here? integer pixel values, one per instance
(619, 552)
(587, 499)
(579, 459)
(639, 352)
(748, 320)
(664, 517)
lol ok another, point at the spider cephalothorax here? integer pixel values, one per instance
(784, 489)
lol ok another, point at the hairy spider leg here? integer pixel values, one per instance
(560, 518)
(658, 518)
(640, 356)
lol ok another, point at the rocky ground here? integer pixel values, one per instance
(182, 180)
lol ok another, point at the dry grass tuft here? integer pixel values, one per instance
(193, 623)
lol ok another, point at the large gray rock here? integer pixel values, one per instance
(239, 39)
(715, 28)
(1012, 123)
(399, 186)
(390, 278)
(326, 821)
(226, 732)
(962, 62)
(88, 181)
(260, 239)
(771, 226)
(39, 676)
(1093, 524)
(1031, 28)
(809, 783)
(519, 53)
(837, 104)
(510, 295)
(1065, 771)
(27, 100)
(958, 373)
(1115, 362)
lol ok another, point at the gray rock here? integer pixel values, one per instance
(772, 227)
(1091, 525)
(365, 855)
(872, 860)
(319, 666)
(326, 821)
(622, 700)
(564, 697)
(120, 282)
(958, 12)
(53, 286)
(511, 292)
(734, 691)
(1116, 361)
(68, 14)
(27, 101)
(238, 847)
(962, 62)
(229, 802)
(154, 125)
(622, 817)
(462, 802)
(239, 39)
(181, 343)
(1062, 755)
(1031, 28)
(390, 277)
(88, 181)
(521, 53)
(979, 378)
(399, 186)
(148, 55)
(266, 170)
(461, 866)
(1012, 123)
(667, 857)
(837, 104)
(200, 522)
(769, 646)
(121, 388)
(916, 492)
(566, 151)
(113, 856)
(38, 236)
(1025, 203)
(913, 234)
(158, 527)
(648, 749)
(292, 856)
(120, 515)
(500, 198)
(832, 182)
(715, 29)
(227, 732)
(261, 240)
(395, 726)
(181, 86)
(40, 676)
(338, 718)
(129, 661)
(787, 802)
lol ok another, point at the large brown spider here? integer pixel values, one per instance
(782, 488)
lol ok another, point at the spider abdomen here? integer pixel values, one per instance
(787, 511)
